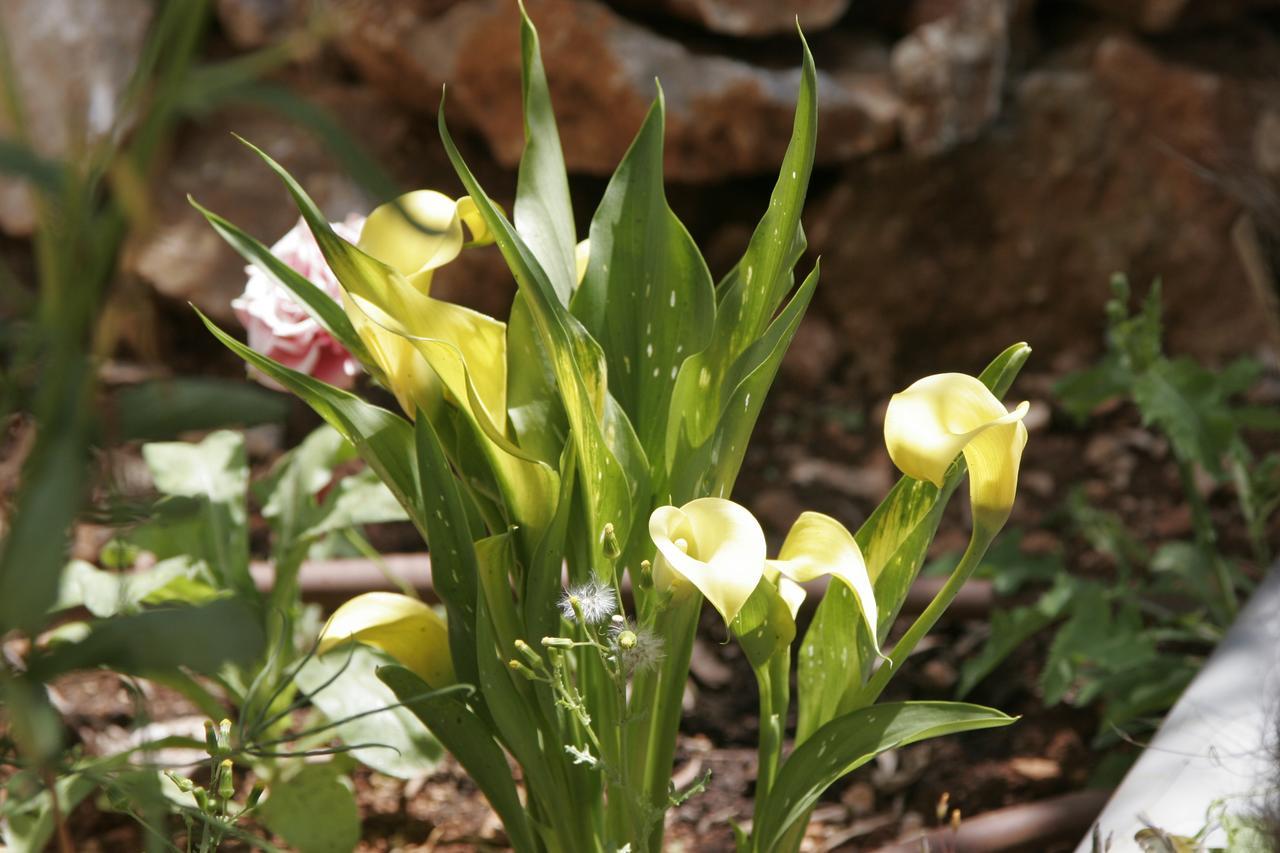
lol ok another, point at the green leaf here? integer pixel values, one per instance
(578, 364)
(471, 742)
(199, 638)
(319, 305)
(836, 653)
(1010, 629)
(453, 557)
(216, 472)
(314, 811)
(848, 742)
(543, 213)
(647, 295)
(384, 440)
(351, 691)
(110, 593)
(165, 408)
(753, 292)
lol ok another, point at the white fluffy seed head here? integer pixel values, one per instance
(638, 649)
(595, 601)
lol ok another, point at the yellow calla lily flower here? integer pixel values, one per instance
(713, 544)
(421, 343)
(581, 257)
(403, 627)
(819, 545)
(939, 417)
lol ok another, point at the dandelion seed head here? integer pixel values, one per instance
(595, 601)
(638, 649)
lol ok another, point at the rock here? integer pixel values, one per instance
(1157, 16)
(1016, 238)
(73, 59)
(724, 117)
(185, 260)
(950, 72)
(752, 18)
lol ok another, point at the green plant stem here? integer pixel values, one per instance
(979, 540)
(654, 718)
(1207, 540)
(773, 680)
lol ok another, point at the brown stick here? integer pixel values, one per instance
(331, 582)
(1029, 827)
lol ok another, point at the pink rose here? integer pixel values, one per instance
(280, 328)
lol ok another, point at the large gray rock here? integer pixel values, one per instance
(950, 73)
(724, 117)
(73, 59)
(751, 18)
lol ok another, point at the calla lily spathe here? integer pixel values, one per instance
(939, 417)
(403, 627)
(713, 544)
(718, 546)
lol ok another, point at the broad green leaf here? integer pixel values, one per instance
(314, 811)
(355, 500)
(349, 690)
(216, 472)
(760, 281)
(287, 493)
(577, 362)
(453, 557)
(165, 408)
(848, 742)
(543, 213)
(837, 651)
(535, 411)
(110, 593)
(712, 467)
(647, 296)
(383, 440)
(318, 304)
(201, 638)
(471, 742)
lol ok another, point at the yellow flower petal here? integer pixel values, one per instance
(712, 543)
(403, 627)
(581, 256)
(819, 545)
(937, 418)
(416, 234)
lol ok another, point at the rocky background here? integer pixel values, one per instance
(985, 165)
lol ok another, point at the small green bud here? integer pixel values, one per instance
(612, 549)
(256, 794)
(182, 783)
(516, 666)
(575, 604)
(627, 640)
(557, 642)
(211, 738)
(202, 799)
(224, 734)
(646, 575)
(226, 780)
(526, 651)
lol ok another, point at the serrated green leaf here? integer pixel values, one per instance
(647, 295)
(1010, 629)
(314, 811)
(848, 742)
(471, 742)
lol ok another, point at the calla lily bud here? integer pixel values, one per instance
(939, 417)
(403, 627)
(713, 544)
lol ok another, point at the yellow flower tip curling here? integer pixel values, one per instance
(403, 627)
(939, 417)
(415, 234)
(819, 545)
(714, 544)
